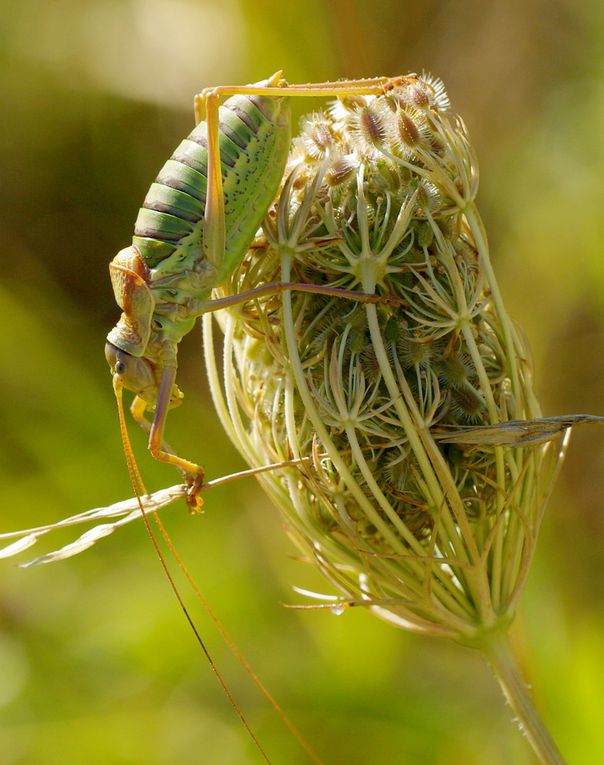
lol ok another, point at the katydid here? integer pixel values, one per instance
(193, 230)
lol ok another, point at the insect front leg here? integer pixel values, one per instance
(159, 449)
(138, 409)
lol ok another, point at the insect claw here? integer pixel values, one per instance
(194, 500)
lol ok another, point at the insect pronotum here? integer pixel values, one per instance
(193, 230)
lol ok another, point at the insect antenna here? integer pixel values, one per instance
(139, 488)
(235, 650)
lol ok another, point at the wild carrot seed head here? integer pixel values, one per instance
(432, 536)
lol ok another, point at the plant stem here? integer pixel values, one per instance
(497, 650)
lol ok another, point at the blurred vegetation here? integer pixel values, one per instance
(97, 663)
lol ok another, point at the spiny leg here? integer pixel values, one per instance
(194, 473)
(277, 86)
(276, 288)
(138, 409)
(207, 104)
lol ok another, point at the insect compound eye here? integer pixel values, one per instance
(134, 373)
(115, 360)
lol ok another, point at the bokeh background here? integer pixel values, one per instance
(97, 664)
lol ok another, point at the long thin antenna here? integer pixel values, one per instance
(236, 652)
(138, 486)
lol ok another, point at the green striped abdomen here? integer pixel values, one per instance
(254, 135)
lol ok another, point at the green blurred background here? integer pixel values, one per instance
(97, 664)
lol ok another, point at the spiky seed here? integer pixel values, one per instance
(417, 95)
(467, 403)
(317, 136)
(453, 370)
(372, 125)
(407, 129)
(439, 97)
(414, 352)
(340, 170)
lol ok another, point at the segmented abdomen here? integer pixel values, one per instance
(254, 142)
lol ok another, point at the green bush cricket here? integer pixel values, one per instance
(196, 224)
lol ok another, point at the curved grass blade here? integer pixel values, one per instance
(515, 433)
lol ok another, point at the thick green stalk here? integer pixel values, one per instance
(498, 652)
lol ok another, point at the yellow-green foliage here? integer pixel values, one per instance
(95, 663)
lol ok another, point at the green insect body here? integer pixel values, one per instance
(163, 281)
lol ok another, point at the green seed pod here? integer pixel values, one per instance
(362, 397)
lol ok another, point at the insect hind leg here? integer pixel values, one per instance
(207, 105)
